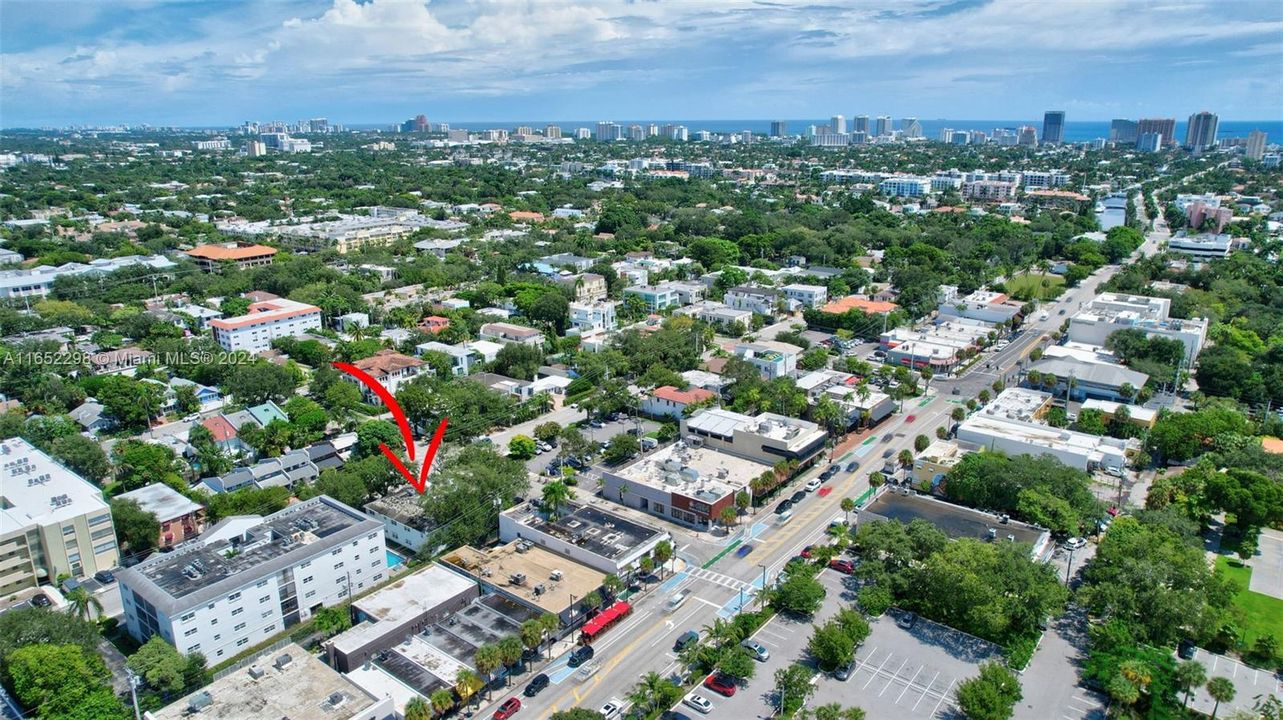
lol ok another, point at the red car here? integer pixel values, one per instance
(507, 709)
(846, 567)
(806, 551)
(720, 684)
(911, 418)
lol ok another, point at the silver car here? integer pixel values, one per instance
(699, 703)
(757, 650)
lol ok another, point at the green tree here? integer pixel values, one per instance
(370, 435)
(831, 646)
(547, 432)
(63, 681)
(442, 700)
(798, 594)
(555, 494)
(1190, 675)
(621, 448)
(662, 553)
(991, 695)
(486, 659)
(418, 709)
(259, 382)
(1222, 690)
(921, 442)
(83, 455)
(137, 530)
(793, 688)
(21, 627)
(139, 464)
(161, 666)
(738, 664)
(521, 447)
(83, 604)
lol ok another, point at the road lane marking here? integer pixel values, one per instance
(943, 696)
(875, 674)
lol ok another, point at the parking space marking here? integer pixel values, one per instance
(924, 692)
(893, 677)
(906, 687)
(873, 676)
(944, 696)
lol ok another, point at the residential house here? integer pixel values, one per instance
(594, 315)
(124, 361)
(462, 360)
(654, 297)
(179, 517)
(809, 295)
(509, 334)
(93, 417)
(759, 300)
(668, 401)
(772, 359)
(390, 368)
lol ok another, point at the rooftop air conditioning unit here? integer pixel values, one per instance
(283, 661)
(555, 575)
(256, 672)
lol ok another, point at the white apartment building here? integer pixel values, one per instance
(52, 521)
(267, 320)
(760, 300)
(1203, 246)
(905, 187)
(249, 578)
(767, 438)
(811, 296)
(772, 359)
(509, 334)
(599, 315)
(38, 281)
(1038, 179)
(989, 190)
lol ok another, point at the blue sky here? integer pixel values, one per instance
(219, 63)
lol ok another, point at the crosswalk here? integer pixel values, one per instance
(717, 578)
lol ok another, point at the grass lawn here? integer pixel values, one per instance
(1030, 285)
(1262, 614)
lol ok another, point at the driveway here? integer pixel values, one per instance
(1051, 681)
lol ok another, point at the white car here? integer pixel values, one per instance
(813, 484)
(611, 709)
(1075, 543)
(699, 703)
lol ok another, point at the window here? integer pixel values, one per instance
(307, 579)
(68, 530)
(219, 653)
(239, 627)
(194, 648)
(213, 621)
(338, 565)
(191, 632)
(268, 630)
(261, 583)
(104, 547)
(264, 599)
(337, 551)
(187, 617)
(233, 597)
(241, 642)
(237, 611)
(305, 565)
(372, 551)
(377, 578)
(310, 593)
(266, 614)
(374, 564)
(371, 536)
(339, 581)
(218, 637)
(95, 520)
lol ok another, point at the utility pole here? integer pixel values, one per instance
(133, 692)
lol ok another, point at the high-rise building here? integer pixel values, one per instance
(636, 133)
(911, 128)
(1053, 127)
(837, 125)
(652, 130)
(1122, 131)
(552, 132)
(1161, 126)
(420, 123)
(583, 134)
(52, 521)
(945, 135)
(1027, 135)
(779, 128)
(1200, 134)
(1149, 142)
(608, 131)
(1255, 145)
(883, 126)
(860, 123)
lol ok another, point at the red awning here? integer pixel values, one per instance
(607, 616)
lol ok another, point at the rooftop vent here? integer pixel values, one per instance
(200, 701)
(282, 661)
(256, 672)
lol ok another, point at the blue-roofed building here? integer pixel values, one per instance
(267, 412)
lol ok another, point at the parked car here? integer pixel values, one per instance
(889, 452)
(783, 507)
(699, 702)
(507, 709)
(685, 640)
(887, 438)
(911, 418)
(41, 600)
(813, 484)
(581, 655)
(853, 466)
(1185, 650)
(537, 685)
(832, 470)
(673, 715)
(906, 620)
(806, 551)
(798, 496)
(595, 423)
(845, 672)
(105, 577)
(611, 709)
(720, 684)
(846, 567)
(1075, 543)
(757, 650)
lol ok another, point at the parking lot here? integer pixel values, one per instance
(1250, 684)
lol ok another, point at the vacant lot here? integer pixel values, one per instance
(1262, 614)
(1035, 286)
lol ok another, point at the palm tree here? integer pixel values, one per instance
(592, 600)
(466, 684)
(555, 494)
(442, 700)
(531, 634)
(1189, 675)
(486, 660)
(82, 603)
(848, 505)
(549, 624)
(649, 691)
(663, 553)
(1222, 690)
(613, 584)
(509, 650)
(417, 709)
(728, 516)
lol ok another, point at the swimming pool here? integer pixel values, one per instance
(394, 559)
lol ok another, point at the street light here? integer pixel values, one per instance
(1069, 568)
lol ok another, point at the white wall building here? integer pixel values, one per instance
(811, 296)
(1110, 312)
(243, 582)
(598, 315)
(265, 321)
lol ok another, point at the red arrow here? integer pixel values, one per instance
(419, 484)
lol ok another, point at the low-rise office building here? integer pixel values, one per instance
(811, 296)
(1201, 246)
(682, 483)
(215, 257)
(285, 683)
(587, 533)
(247, 579)
(52, 521)
(1009, 424)
(766, 438)
(1110, 312)
(868, 406)
(984, 305)
(532, 576)
(1101, 381)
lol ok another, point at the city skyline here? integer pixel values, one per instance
(212, 64)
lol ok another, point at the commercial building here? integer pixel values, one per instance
(1109, 312)
(985, 305)
(989, 191)
(942, 345)
(1009, 424)
(766, 438)
(1053, 127)
(1138, 414)
(682, 483)
(265, 322)
(1163, 127)
(1090, 379)
(725, 317)
(759, 300)
(509, 334)
(1200, 132)
(772, 359)
(52, 521)
(531, 576)
(934, 463)
(38, 281)
(248, 578)
(956, 521)
(586, 533)
(1201, 246)
(1122, 132)
(180, 519)
(211, 258)
(387, 616)
(668, 401)
(284, 683)
(844, 389)
(779, 128)
(905, 187)
(390, 368)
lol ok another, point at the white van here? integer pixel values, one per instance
(676, 600)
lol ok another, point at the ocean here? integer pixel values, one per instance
(1075, 131)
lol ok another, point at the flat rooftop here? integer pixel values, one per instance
(36, 490)
(291, 684)
(162, 501)
(698, 472)
(403, 506)
(527, 573)
(195, 574)
(954, 520)
(597, 530)
(409, 597)
(1018, 403)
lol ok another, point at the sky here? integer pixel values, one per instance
(192, 63)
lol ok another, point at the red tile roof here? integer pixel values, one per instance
(682, 397)
(220, 428)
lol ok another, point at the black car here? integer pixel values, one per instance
(887, 438)
(853, 466)
(105, 577)
(832, 470)
(673, 715)
(537, 685)
(1185, 651)
(888, 452)
(580, 656)
(798, 497)
(783, 507)
(41, 600)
